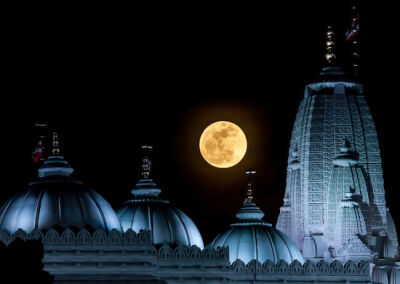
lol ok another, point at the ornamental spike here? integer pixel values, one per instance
(330, 55)
(55, 149)
(249, 195)
(146, 161)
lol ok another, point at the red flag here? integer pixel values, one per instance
(38, 153)
(352, 33)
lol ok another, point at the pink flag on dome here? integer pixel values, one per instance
(38, 153)
(352, 33)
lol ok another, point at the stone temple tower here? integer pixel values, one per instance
(334, 205)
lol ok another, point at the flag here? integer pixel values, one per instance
(352, 33)
(38, 153)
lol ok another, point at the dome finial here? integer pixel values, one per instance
(55, 165)
(55, 149)
(330, 55)
(251, 173)
(249, 210)
(146, 186)
(146, 161)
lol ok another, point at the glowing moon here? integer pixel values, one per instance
(223, 144)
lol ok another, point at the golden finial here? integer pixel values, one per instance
(249, 195)
(330, 55)
(55, 150)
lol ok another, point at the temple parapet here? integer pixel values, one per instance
(85, 256)
(321, 272)
(184, 263)
(308, 268)
(82, 237)
(193, 253)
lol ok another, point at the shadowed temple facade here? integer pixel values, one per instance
(333, 227)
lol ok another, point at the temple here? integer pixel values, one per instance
(334, 225)
(334, 204)
(148, 240)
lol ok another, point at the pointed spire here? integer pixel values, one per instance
(146, 161)
(55, 165)
(55, 150)
(250, 211)
(146, 187)
(251, 173)
(330, 55)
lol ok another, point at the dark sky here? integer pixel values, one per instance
(111, 79)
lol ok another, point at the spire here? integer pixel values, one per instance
(330, 72)
(55, 165)
(146, 161)
(146, 187)
(250, 211)
(55, 149)
(251, 173)
(330, 55)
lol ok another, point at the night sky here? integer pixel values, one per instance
(112, 79)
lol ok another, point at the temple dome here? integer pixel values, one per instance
(255, 239)
(147, 211)
(57, 200)
(167, 224)
(252, 238)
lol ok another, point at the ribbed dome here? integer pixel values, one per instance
(261, 242)
(56, 199)
(146, 211)
(167, 224)
(252, 238)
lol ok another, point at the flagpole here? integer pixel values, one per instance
(356, 44)
(352, 36)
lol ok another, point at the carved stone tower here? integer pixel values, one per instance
(335, 196)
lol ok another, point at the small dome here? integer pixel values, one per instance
(167, 224)
(252, 238)
(256, 239)
(56, 199)
(147, 211)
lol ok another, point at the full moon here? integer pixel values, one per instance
(223, 144)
